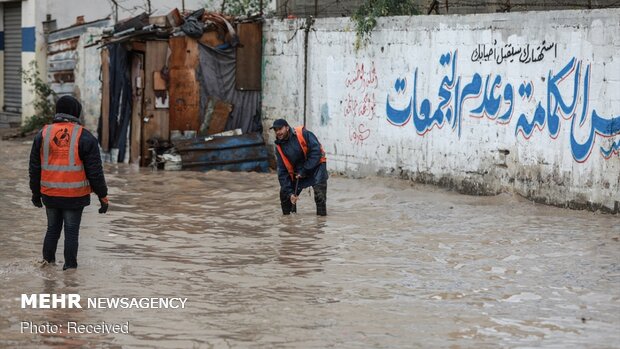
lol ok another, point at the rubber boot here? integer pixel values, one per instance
(320, 198)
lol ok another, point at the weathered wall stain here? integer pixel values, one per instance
(324, 114)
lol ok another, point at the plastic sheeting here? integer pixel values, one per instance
(120, 100)
(216, 74)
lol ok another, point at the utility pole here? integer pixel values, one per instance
(307, 26)
(115, 11)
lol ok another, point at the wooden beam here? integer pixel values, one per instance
(158, 119)
(137, 88)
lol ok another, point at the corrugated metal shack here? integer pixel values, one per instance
(183, 81)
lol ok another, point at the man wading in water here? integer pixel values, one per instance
(301, 164)
(65, 167)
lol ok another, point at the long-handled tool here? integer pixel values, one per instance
(295, 193)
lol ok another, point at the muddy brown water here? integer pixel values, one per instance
(394, 265)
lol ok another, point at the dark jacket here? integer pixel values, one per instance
(311, 169)
(88, 149)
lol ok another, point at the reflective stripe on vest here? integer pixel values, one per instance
(65, 184)
(62, 170)
(304, 149)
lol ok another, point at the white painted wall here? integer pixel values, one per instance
(349, 93)
(33, 14)
(283, 63)
(87, 72)
(1, 57)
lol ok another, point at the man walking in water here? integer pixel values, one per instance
(301, 164)
(65, 167)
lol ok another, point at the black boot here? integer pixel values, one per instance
(287, 205)
(320, 198)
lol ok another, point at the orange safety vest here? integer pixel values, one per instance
(62, 170)
(304, 148)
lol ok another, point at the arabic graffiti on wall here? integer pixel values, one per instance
(497, 101)
(360, 102)
(509, 53)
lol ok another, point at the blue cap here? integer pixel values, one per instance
(279, 123)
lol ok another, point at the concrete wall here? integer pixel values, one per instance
(33, 49)
(340, 8)
(1, 55)
(87, 73)
(525, 102)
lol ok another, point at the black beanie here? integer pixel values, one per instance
(69, 105)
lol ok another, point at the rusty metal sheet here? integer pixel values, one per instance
(211, 38)
(184, 100)
(62, 45)
(183, 53)
(184, 88)
(217, 113)
(62, 76)
(138, 46)
(174, 18)
(249, 57)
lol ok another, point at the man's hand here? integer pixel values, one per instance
(36, 200)
(104, 204)
(294, 199)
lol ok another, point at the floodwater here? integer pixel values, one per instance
(394, 265)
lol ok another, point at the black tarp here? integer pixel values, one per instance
(120, 100)
(216, 74)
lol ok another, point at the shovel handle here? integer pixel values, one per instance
(295, 193)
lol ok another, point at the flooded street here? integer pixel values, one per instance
(393, 265)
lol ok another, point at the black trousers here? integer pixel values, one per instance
(71, 219)
(320, 199)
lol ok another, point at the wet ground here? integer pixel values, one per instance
(394, 265)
